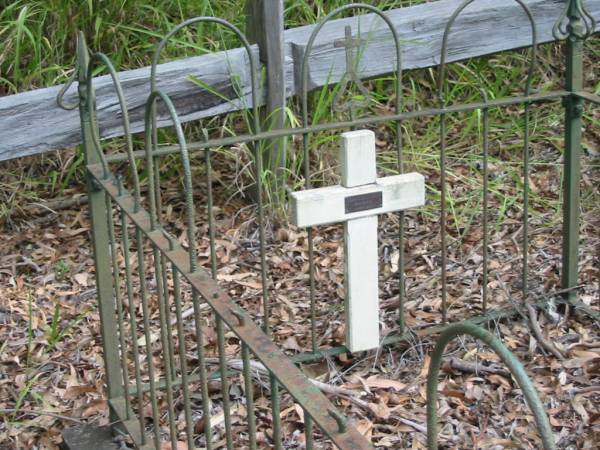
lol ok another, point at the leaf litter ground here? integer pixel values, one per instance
(51, 366)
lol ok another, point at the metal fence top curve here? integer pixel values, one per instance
(508, 358)
(242, 39)
(105, 60)
(444, 52)
(60, 97)
(314, 34)
(187, 172)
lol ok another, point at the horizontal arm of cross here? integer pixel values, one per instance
(334, 204)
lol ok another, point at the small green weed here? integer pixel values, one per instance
(62, 269)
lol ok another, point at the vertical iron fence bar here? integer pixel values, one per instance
(132, 319)
(573, 134)
(146, 324)
(261, 235)
(210, 214)
(308, 431)
(100, 235)
(202, 368)
(218, 320)
(168, 349)
(156, 200)
(189, 427)
(118, 301)
(525, 249)
(170, 346)
(311, 253)
(486, 131)
(443, 211)
(166, 339)
(249, 396)
(257, 148)
(401, 221)
(224, 382)
(401, 276)
(276, 412)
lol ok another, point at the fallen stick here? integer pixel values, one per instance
(469, 367)
(537, 331)
(535, 325)
(584, 390)
(190, 312)
(41, 413)
(333, 390)
(57, 205)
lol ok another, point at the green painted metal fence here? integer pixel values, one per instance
(178, 348)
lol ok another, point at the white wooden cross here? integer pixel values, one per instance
(357, 202)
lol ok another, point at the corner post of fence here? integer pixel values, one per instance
(98, 209)
(264, 26)
(573, 133)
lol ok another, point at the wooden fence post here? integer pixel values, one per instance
(264, 26)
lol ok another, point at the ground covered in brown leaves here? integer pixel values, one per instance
(51, 365)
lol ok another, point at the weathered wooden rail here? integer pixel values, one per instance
(32, 123)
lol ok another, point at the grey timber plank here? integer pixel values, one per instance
(483, 28)
(32, 123)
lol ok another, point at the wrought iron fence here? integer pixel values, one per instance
(170, 328)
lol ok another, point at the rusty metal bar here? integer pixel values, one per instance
(287, 374)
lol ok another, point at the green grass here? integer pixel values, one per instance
(37, 37)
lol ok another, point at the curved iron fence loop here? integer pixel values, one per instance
(60, 97)
(187, 172)
(104, 59)
(239, 35)
(153, 87)
(87, 90)
(316, 31)
(255, 129)
(560, 30)
(444, 52)
(507, 357)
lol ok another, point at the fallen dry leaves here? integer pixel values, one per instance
(51, 364)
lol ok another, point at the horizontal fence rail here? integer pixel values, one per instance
(43, 126)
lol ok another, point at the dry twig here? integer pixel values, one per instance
(537, 331)
(42, 413)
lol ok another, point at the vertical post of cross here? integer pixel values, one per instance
(98, 208)
(264, 26)
(573, 133)
(360, 246)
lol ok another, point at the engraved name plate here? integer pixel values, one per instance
(363, 202)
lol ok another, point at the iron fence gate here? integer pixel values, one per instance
(170, 328)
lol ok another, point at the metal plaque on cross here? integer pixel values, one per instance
(357, 202)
